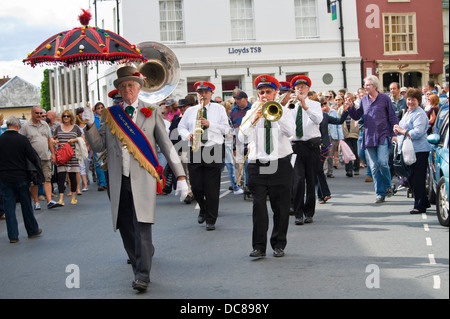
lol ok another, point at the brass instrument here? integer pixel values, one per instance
(161, 72)
(198, 131)
(272, 111)
(292, 104)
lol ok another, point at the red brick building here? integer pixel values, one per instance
(401, 40)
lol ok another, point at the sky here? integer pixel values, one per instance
(25, 24)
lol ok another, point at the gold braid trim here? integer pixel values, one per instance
(131, 147)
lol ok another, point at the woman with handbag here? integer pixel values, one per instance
(414, 125)
(67, 132)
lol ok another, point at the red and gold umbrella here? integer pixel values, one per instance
(84, 44)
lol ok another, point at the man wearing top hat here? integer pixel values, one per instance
(307, 115)
(269, 169)
(205, 164)
(129, 132)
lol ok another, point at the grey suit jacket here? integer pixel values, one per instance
(142, 183)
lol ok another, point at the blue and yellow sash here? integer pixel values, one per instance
(129, 134)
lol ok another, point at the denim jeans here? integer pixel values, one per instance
(101, 178)
(9, 191)
(378, 160)
(229, 163)
(362, 156)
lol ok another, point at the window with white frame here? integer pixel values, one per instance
(171, 20)
(306, 19)
(242, 20)
(400, 36)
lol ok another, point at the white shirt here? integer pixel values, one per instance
(125, 154)
(311, 120)
(218, 123)
(255, 136)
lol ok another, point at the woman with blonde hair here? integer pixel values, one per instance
(68, 132)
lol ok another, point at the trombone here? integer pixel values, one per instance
(272, 111)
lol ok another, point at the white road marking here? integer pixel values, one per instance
(437, 282)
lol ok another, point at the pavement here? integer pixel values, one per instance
(355, 249)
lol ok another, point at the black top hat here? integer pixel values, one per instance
(183, 102)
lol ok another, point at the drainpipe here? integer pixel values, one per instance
(344, 64)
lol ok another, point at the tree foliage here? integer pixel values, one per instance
(45, 91)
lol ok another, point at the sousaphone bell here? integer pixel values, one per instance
(161, 72)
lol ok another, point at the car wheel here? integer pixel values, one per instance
(429, 186)
(442, 203)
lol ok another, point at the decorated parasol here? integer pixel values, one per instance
(84, 44)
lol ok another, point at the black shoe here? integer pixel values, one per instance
(349, 174)
(308, 220)
(257, 253)
(299, 221)
(278, 252)
(188, 199)
(416, 211)
(210, 227)
(201, 219)
(140, 285)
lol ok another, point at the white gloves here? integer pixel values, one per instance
(182, 189)
(88, 115)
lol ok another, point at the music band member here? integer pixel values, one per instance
(206, 162)
(129, 132)
(285, 87)
(307, 115)
(269, 169)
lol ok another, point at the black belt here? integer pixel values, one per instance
(260, 163)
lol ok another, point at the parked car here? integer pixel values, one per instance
(438, 179)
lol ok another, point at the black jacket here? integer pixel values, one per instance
(327, 119)
(15, 149)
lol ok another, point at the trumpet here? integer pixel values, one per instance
(272, 111)
(198, 131)
(292, 104)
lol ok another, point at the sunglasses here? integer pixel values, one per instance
(66, 116)
(38, 113)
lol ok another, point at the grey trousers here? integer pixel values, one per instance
(136, 236)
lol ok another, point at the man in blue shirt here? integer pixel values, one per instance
(379, 120)
(236, 115)
(101, 178)
(398, 101)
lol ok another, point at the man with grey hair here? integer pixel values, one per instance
(14, 179)
(38, 133)
(379, 120)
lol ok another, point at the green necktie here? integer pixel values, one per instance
(130, 111)
(269, 142)
(205, 132)
(299, 122)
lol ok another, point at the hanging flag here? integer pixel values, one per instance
(333, 12)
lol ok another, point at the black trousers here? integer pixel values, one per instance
(62, 181)
(278, 186)
(323, 189)
(417, 181)
(205, 176)
(353, 166)
(305, 178)
(136, 236)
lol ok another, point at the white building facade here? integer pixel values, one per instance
(231, 42)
